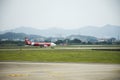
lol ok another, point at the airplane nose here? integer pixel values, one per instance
(53, 44)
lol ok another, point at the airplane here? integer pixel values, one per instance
(41, 44)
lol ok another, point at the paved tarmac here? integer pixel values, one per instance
(58, 71)
(68, 48)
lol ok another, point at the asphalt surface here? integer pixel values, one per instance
(58, 71)
(58, 48)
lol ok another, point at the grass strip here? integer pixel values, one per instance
(85, 56)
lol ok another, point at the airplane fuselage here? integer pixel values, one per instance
(41, 44)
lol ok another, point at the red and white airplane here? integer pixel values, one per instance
(41, 44)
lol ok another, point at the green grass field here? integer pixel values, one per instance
(62, 55)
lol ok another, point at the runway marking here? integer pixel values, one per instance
(17, 75)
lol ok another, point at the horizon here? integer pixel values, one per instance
(68, 14)
(58, 27)
(103, 31)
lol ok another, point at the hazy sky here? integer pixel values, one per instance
(58, 13)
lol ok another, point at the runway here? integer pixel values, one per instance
(63, 48)
(58, 71)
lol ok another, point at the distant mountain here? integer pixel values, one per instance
(11, 35)
(25, 30)
(83, 38)
(18, 36)
(21, 37)
(106, 31)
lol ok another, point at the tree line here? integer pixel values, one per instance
(61, 42)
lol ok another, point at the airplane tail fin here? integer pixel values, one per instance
(27, 42)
